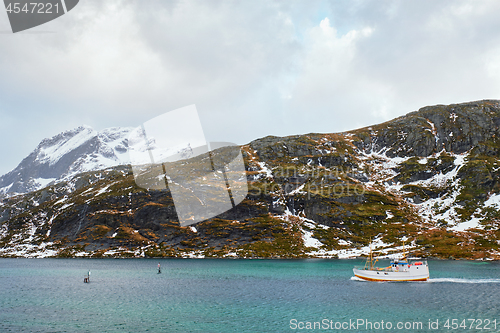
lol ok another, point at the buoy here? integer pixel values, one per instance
(86, 279)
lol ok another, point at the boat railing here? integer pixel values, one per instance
(381, 269)
(389, 268)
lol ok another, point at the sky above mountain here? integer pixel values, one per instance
(253, 68)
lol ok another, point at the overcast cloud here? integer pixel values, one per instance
(253, 68)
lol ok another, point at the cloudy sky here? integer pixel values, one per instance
(253, 68)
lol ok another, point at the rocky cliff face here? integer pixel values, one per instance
(430, 178)
(455, 128)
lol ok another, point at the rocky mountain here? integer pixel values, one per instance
(66, 155)
(429, 178)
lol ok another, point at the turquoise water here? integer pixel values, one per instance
(205, 295)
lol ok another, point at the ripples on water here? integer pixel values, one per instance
(48, 295)
(450, 280)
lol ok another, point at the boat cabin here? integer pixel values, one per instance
(399, 266)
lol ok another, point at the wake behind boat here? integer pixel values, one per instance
(399, 270)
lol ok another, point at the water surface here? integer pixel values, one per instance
(212, 295)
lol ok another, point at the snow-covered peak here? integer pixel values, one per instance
(66, 154)
(53, 149)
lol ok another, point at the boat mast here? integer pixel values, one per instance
(404, 249)
(369, 262)
(370, 258)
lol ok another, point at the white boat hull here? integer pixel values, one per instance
(414, 273)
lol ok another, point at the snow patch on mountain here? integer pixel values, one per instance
(493, 201)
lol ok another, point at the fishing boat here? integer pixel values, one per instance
(404, 269)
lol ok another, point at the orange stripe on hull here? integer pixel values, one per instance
(378, 280)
